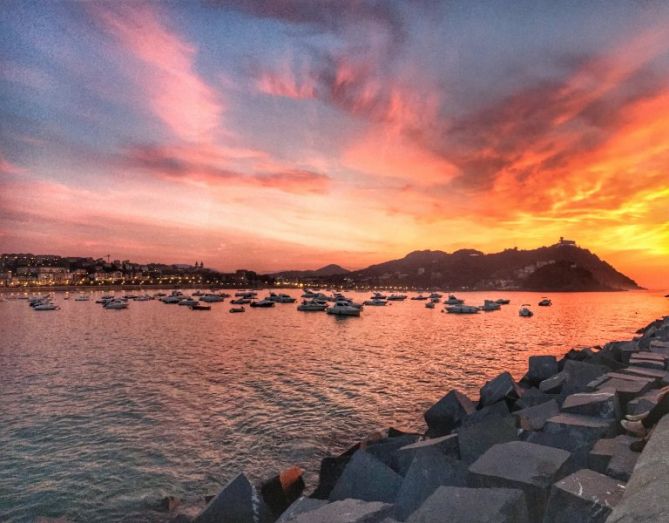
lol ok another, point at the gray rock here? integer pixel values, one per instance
(503, 387)
(533, 397)
(643, 403)
(448, 412)
(583, 497)
(522, 465)
(541, 368)
(606, 448)
(472, 505)
(597, 404)
(534, 418)
(429, 470)
(622, 464)
(581, 428)
(476, 439)
(622, 350)
(554, 385)
(237, 502)
(579, 374)
(499, 410)
(661, 375)
(368, 479)
(650, 360)
(625, 389)
(446, 445)
(346, 511)
(300, 506)
(385, 449)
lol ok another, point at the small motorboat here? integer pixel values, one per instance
(397, 297)
(212, 298)
(461, 309)
(188, 302)
(503, 301)
(376, 302)
(431, 304)
(311, 306)
(246, 294)
(262, 303)
(46, 306)
(545, 302)
(280, 298)
(342, 308)
(240, 301)
(525, 311)
(420, 297)
(435, 295)
(197, 306)
(115, 305)
(453, 300)
(490, 305)
(237, 309)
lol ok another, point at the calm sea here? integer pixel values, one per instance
(104, 412)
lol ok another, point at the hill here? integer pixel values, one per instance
(560, 267)
(324, 272)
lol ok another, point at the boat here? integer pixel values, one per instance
(524, 311)
(212, 298)
(490, 305)
(545, 302)
(246, 294)
(146, 297)
(115, 305)
(397, 297)
(67, 296)
(311, 306)
(503, 301)
(378, 296)
(46, 306)
(376, 302)
(431, 304)
(188, 302)
(342, 308)
(237, 309)
(453, 300)
(240, 301)
(262, 303)
(420, 297)
(197, 306)
(435, 295)
(461, 309)
(82, 297)
(280, 298)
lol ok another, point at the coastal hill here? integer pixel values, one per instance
(323, 272)
(560, 267)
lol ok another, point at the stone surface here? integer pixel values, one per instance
(534, 418)
(502, 387)
(553, 385)
(447, 445)
(300, 506)
(541, 368)
(429, 470)
(500, 410)
(606, 448)
(384, 449)
(622, 464)
(597, 404)
(522, 465)
(368, 479)
(237, 502)
(476, 439)
(661, 375)
(280, 491)
(346, 511)
(643, 403)
(581, 428)
(469, 505)
(533, 397)
(579, 374)
(448, 412)
(625, 389)
(585, 496)
(330, 472)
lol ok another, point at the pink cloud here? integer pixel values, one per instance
(176, 93)
(7, 167)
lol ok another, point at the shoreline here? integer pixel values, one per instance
(541, 449)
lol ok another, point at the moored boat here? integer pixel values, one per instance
(461, 309)
(237, 309)
(262, 303)
(342, 308)
(311, 306)
(453, 300)
(115, 305)
(197, 306)
(525, 311)
(545, 302)
(490, 305)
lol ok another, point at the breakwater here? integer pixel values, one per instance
(546, 448)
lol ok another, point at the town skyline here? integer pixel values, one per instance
(291, 135)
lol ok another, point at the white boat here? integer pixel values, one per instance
(280, 298)
(461, 309)
(525, 311)
(115, 305)
(146, 297)
(82, 297)
(46, 306)
(188, 302)
(342, 308)
(545, 302)
(453, 300)
(490, 305)
(397, 297)
(378, 296)
(376, 302)
(212, 298)
(311, 306)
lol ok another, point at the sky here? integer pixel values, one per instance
(290, 134)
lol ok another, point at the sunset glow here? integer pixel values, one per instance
(292, 134)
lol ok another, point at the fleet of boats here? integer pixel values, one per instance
(334, 303)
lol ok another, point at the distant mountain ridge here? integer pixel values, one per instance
(560, 267)
(324, 272)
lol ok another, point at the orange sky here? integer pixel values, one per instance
(278, 135)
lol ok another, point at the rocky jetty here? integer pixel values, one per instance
(547, 448)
